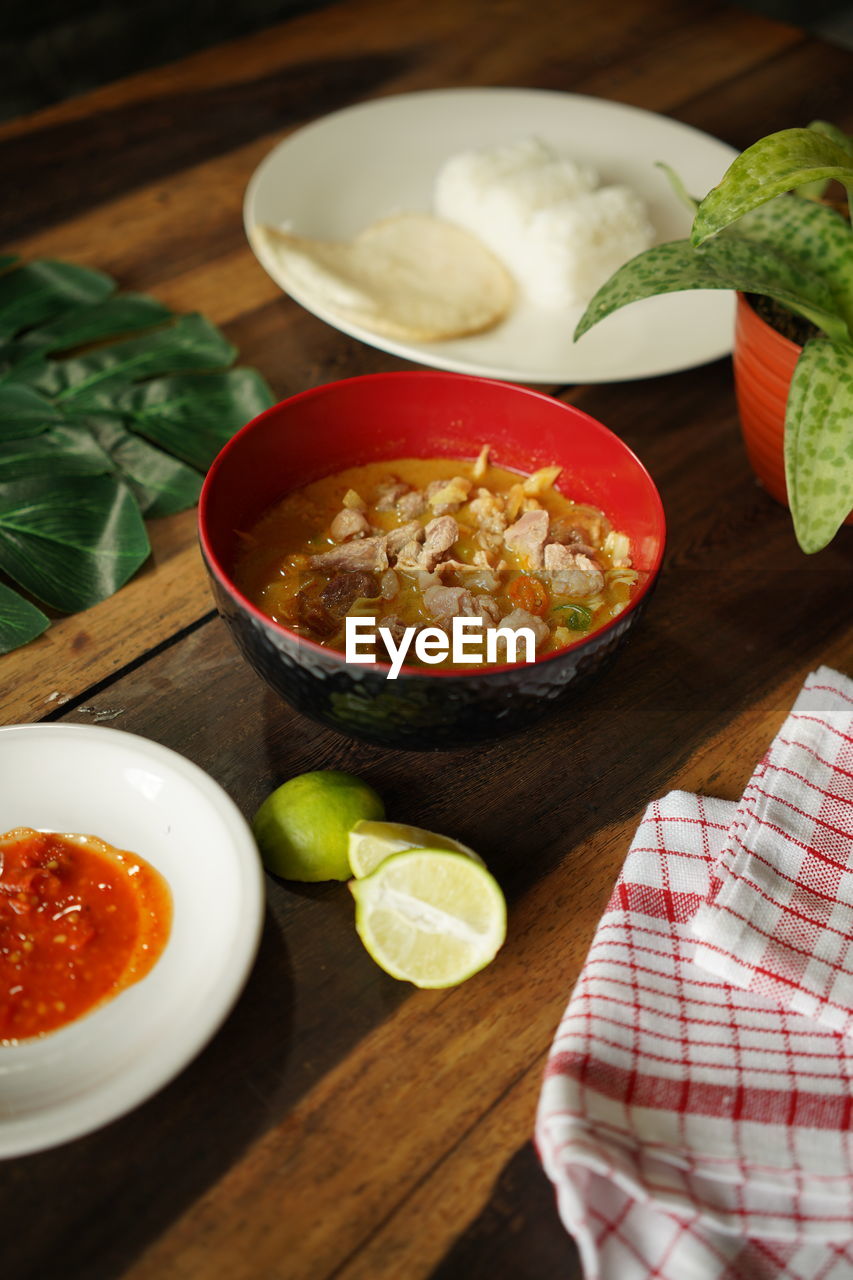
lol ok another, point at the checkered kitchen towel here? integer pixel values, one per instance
(697, 1118)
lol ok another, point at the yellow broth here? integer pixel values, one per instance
(275, 571)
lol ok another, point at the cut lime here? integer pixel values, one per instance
(302, 828)
(372, 842)
(430, 916)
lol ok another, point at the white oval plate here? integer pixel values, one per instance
(333, 177)
(140, 796)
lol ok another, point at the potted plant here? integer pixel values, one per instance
(765, 232)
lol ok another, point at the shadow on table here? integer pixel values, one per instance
(517, 1235)
(104, 1197)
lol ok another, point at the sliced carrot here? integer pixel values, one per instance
(529, 593)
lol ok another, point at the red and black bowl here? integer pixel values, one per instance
(422, 414)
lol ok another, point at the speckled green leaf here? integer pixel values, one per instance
(70, 541)
(727, 263)
(193, 417)
(61, 451)
(814, 237)
(665, 268)
(769, 269)
(814, 190)
(780, 162)
(23, 412)
(819, 442)
(39, 291)
(88, 383)
(20, 620)
(837, 135)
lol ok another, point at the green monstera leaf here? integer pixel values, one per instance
(70, 541)
(34, 293)
(161, 483)
(23, 412)
(62, 451)
(20, 621)
(193, 417)
(94, 438)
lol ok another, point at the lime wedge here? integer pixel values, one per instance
(372, 842)
(430, 916)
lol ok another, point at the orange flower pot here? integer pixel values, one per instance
(764, 363)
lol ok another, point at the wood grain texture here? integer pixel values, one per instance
(340, 1123)
(327, 1060)
(350, 1160)
(181, 236)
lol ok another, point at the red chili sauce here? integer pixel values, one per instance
(79, 921)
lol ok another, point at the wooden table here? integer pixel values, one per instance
(342, 1124)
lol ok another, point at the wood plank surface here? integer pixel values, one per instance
(340, 1123)
(469, 1068)
(181, 236)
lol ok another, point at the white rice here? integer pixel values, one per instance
(556, 230)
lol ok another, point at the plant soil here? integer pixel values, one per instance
(791, 326)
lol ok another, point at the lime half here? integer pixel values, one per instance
(430, 916)
(372, 842)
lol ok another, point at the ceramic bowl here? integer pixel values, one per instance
(142, 797)
(420, 414)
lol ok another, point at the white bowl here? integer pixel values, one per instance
(136, 795)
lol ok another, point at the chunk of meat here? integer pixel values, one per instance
(349, 523)
(404, 533)
(573, 573)
(409, 556)
(527, 537)
(313, 615)
(488, 511)
(476, 575)
(488, 609)
(592, 525)
(439, 536)
(341, 592)
(363, 553)
(570, 535)
(492, 543)
(390, 585)
(445, 496)
(395, 625)
(445, 603)
(411, 504)
(449, 602)
(389, 494)
(521, 618)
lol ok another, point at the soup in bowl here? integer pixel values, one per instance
(426, 559)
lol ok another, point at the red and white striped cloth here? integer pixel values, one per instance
(696, 1115)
